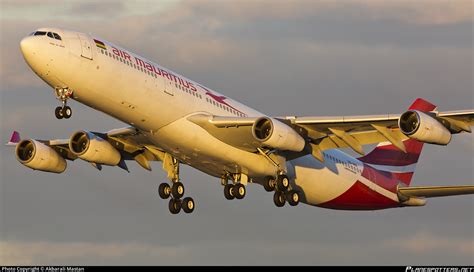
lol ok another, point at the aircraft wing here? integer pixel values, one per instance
(435, 191)
(329, 132)
(354, 131)
(129, 141)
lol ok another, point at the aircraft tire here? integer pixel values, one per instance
(67, 112)
(58, 112)
(269, 184)
(283, 183)
(174, 206)
(164, 190)
(228, 191)
(293, 197)
(239, 191)
(188, 205)
(279, 199)
(177, 190)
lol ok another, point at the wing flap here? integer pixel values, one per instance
(436, 191)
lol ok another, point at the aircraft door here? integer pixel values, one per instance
(86, 48)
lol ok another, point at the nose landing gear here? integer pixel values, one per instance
(63, 112)
(63, 94)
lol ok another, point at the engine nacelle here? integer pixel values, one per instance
(275, 134)
(92, 148)
(424, 128)
(38, 156)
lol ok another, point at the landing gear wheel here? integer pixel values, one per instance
(174, 206)
(279, 199)
(188, 205)
(177, 190)
(58, 112)
(164, 190)
(66, 112)
(283, 182)
(239, 191)
(293, 197)
(269, 184)
(229, 191)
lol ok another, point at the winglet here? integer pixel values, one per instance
(14, 139)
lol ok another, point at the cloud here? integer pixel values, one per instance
(424, 242)
(35, 253)
(102, 9)
(424, 12)
(255, 251)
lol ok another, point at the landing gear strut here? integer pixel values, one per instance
(176, 191)
(63, 94)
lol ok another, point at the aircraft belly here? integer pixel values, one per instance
(193, 145)
(319, 182)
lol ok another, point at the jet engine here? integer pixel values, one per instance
(92, 148)
(424, 128)
(38, 156)
(275, 134)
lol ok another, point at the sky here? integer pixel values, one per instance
(318, 58)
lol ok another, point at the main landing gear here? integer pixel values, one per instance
(63, 94)
(176, 191)
(282, 189)
(236, 189)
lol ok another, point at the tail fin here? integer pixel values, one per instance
(14, 139)
(390, 159)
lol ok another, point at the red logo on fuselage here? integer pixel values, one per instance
(220, 99)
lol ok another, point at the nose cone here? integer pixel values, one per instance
(28, 48)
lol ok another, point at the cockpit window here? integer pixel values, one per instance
(53, 35)
(40, 33)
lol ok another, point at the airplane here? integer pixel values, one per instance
(175, 121)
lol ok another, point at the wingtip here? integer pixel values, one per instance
(15, 138)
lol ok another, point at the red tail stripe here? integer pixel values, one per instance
(381, 178)
(391, 155)
(403, 177)
(360, 197)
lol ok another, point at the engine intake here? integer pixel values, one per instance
(92, 148)
(424, 128)
(38, 156)
(275, 134)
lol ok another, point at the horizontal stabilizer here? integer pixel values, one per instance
(436, 191)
